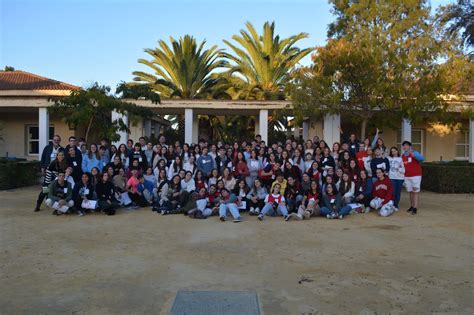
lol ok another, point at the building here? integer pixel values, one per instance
(25, 124)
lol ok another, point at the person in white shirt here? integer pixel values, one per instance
(396, 174)
(188, 184)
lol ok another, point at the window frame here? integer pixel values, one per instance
(465, 144)
(28, 139)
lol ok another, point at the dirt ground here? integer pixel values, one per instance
(136, 261)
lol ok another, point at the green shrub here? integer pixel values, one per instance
(452, 177)
(14, 174)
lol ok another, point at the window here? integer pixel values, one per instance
(32, 139)
(462, 144)
(417, 139)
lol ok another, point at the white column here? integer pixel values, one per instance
(305, 130)
(188, 125)
(331, 131)
(123, 134)
(296, 130)
(195, 129)
(471, 141)
(257, 126)
(406, 130)
(43, 129)
(147, 127)
(263, 124)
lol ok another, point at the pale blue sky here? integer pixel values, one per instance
(82, 41)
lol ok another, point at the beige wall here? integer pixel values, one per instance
(15, 137)
(437, 142)
(137, 130)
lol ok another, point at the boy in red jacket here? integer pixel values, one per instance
(382, 192)
(412, 161)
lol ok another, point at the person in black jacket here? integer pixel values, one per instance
(73, 144)
(106, 194)
(139, 155)
(83, 190)
(74, 161)
(50, 152)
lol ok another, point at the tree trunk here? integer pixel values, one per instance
(363, 128)
(88, 128)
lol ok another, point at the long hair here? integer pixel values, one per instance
(90, 154)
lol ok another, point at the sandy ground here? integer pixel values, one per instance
(135, 262)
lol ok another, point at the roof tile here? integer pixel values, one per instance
(21, 80)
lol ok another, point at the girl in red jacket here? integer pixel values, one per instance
(382, 192)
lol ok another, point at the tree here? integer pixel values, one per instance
(8, 68)
(92, 107)
(458, 20)
(182, 71)
(381, 63)
(137, 91)
(262, 64)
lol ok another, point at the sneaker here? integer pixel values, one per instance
(306, 215)
(55, 212)
(332, 215)
(414, 210)
(36, 209)
(80, 214)
(410, 209)
(286, 217)
(367, 209)
(239, 219)
(257, 210)
(260, 217)
(222, 219)
(395, 209)
(340, 217)
(251, 210)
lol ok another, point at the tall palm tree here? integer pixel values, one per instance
(262, 64)
(183, 70)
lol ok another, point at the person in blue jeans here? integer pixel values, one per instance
(274, 202)
(227, 202)
(396, 174)
(332, 206)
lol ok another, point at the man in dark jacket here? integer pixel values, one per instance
(49, 152)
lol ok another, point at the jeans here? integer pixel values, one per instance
(293, 204)
(344, 210)
(397, 190)
(231, 207)
(269, 207)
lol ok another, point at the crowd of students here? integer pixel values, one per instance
(295, 180)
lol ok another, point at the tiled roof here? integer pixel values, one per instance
(21, 80)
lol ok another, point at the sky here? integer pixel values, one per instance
(86, 41)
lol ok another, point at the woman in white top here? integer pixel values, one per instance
(188, 183)
(346, 188)
(190, 165)
(367, 160)
(123, 154)
(254, 165)
(396, 174)
(175, 167)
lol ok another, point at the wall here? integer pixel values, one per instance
(14, 133)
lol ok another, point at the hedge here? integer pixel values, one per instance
(451, 177)
(18, 173)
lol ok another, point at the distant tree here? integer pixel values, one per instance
(458, 20)
(8, 68)
(261, 64)
(92, 107)
(137, 91)
(382, 62)
(184, 70)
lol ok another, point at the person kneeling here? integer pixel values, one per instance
(383, 194)
(203, 207)
(60, 195)
(332, 206)
(274, 202)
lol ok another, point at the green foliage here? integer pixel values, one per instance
(182, 71)
(381, 62)
(137, 91)
(14, 174)
(8, 68)
(93, 107)
(261, 64)
(452, 177)
(458, 20)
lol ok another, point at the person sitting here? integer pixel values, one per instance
(293, 194)
(132, 187)
(274, 202)
(382, 192)
(227, 203)
(346, 188)
(60, 195)
(363, 191)
(82, 191)
(310, 204)
(256, 197)
(105, 192)
(332, 206)
(202, 209)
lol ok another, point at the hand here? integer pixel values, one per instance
(377, 130)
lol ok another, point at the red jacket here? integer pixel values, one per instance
(360, 158)
(241, 169)
(412, 165)
(383, 189)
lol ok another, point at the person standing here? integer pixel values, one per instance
(49, 153)
(396, 174)
(412, 161)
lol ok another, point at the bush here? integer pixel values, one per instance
(452, 177)
(18, 173)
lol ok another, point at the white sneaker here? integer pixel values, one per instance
(257, 210)
(252, 210)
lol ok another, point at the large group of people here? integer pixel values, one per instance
(296, 180)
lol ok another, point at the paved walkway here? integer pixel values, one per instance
(135, 263)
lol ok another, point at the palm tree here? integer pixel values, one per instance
(183, 70)
(262, 64)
